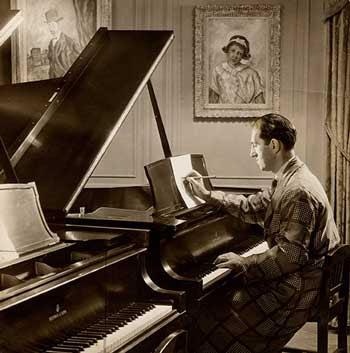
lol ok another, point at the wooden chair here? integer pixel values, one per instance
(333, 302)
(176, 342)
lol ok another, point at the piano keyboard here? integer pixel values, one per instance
(257, 249)
(215, 274)
(113, 331)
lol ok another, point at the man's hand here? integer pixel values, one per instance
(230, 260)
(196, 185)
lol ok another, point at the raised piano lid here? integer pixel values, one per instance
(21, 107)
(10, 19)
(85, 112)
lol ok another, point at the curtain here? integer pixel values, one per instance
(337, 122)
(85, 11)
(331, 7)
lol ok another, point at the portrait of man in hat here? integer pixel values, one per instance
(62, 49)
(53, 34)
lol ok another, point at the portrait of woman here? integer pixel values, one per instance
(234, 81)
(236, 61)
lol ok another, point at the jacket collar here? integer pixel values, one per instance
(288, 168)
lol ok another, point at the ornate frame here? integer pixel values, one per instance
(213, 27)
(20, 38)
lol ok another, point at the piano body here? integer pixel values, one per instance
(181, 257)
(182, 242)
(89, 291)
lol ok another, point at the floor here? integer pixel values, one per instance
(306, 338)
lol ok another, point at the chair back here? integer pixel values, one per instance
(334, 296)
(334, 299)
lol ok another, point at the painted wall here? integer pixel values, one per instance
(225, 144)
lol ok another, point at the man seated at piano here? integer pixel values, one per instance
(281, 284)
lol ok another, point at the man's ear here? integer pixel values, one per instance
(276, 145)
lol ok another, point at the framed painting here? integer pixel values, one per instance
(236, 60)
(52, 35)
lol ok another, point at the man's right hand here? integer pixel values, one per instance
(195, 181)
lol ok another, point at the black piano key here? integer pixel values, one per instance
(105, 326)
(79, 343)
(69, 344)
(127, 314)
(115, 323)
(90, 337)
(87, 339)
(103, 329)
(70, 348)
(118, 323)
(94, 334)
(130, 312)
(94, 329)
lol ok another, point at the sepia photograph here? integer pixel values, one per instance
(174, 176)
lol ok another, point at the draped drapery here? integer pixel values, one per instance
(337, 122)
(85, 11)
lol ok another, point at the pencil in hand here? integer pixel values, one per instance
(201, 177)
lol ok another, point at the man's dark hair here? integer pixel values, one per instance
(276, 126)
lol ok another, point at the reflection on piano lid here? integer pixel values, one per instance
(21, 107)
(10, 20)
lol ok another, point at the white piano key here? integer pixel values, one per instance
(258, 249)
(212, 277)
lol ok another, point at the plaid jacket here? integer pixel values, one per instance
(282, 284)
(297, 218)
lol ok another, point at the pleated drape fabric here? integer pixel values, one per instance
(337, 122)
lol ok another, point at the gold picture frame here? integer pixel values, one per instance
(226, 86)
(36, 53)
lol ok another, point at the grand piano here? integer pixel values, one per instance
(65, 286)
(122, 247)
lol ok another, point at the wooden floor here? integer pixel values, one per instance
(306, 338)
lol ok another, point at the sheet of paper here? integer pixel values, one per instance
(182, 167)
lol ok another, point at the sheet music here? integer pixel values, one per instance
(182, 167)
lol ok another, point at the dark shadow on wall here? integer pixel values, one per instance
(5, 50)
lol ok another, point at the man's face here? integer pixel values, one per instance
(262, 153)
(234, 54)
(54, 29)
